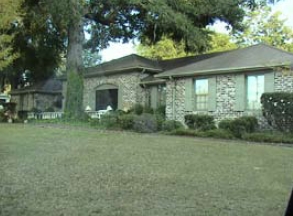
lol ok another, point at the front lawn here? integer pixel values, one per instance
(47, 170)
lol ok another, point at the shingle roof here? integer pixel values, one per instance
(49, 86)
(183, 61)
(251, 58)
(124, 64)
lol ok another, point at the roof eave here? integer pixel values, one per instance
(125, 70)
(216, 72)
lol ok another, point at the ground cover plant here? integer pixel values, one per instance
(63, 170)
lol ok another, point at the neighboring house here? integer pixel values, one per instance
(225, 85)
(42, 96)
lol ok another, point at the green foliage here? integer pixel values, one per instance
(126, 121)
(160, 120)
(263, 26)
(145, 123)
(137, 109)
(9, 14)
(110, 120)
(215, 133)
(74, 96)
(161, 110)
(148, 109)
(240, 126)
(225, 124)
(200, 122)
(278, 110)
(171, 125)
(221, 42)
(22, 114)
(2, 116)
(268, 138)
(166, 48)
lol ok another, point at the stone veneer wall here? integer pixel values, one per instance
(226, 98)
(40, 101)
(131, 93)
(284, 81)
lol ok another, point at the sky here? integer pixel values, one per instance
(117, 50)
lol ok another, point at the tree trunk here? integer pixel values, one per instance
(74, 93)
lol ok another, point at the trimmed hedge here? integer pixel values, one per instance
(278, 110)
(126, 121)
(216, 133)
(239, 126)
(200, 122)
(171, 125)
(268, 138)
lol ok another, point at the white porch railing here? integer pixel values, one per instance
(44, 115)
(96, 114)
(56, 115)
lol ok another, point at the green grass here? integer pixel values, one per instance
(70, 171)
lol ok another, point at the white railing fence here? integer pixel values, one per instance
(56, 115)
(44, 115)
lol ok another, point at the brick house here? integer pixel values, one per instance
(225, 85)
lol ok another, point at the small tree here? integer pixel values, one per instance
(278, 110)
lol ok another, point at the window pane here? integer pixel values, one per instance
(255, 88)
(201, 86)
(201, 94)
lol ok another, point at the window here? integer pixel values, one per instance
(201, 94)
(105, 98)
(255, 88)
(161, 95)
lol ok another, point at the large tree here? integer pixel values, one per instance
(122, 20)
(263, 26)
(166, 48)
(9, 18)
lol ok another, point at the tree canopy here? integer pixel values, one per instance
(9, 16)
(263, 26)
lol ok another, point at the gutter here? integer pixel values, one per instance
(215, 71)
(111, 72)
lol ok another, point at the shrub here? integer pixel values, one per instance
(2, 116)
(22, 114)
(225, 124)
(216, 133)
(239, 126)
(268, 137)
(148, 109)
(278, 110)
(145, 123)
(110, 120)
(160, 120)
(161, 110)
(126, 121)
(200, 122)
(183, 132)
(137, 109)
(171, 125)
